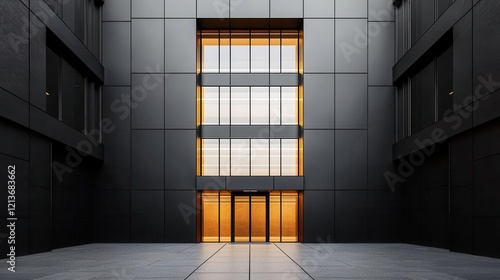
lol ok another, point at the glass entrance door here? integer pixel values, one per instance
(250, 217)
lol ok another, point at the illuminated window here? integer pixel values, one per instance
(249, 51)
(250, 157)
(245, 51)
(250, 106)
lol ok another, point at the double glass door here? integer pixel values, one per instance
(249, 217)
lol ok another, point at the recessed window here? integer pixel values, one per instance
(250, 157)
(250, 106)
(72, 94)
(250, 51)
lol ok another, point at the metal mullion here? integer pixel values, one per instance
(218, 203)
(281, 51)
(281, 157)
(218, 158)
(218, 47)
(281, 216)
(250, 218)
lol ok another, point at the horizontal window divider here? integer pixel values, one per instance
(250, 131)
(250, 79)
(240, 183)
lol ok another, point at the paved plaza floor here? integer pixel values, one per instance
(261, 261)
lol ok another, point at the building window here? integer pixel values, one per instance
(52, 93)
(83, 17)
(250, 52)
(424, 13)
(250, 106)
(72, 95)
(432, 90)
(250, 157)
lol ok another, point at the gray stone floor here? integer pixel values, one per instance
(252, 261)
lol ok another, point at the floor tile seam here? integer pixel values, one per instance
(198, 267)
(294, 261)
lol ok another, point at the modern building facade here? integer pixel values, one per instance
(167, 121)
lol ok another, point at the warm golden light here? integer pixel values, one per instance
(258, 217)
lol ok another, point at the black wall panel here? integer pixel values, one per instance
(351, 216)
(319, 159)
(351, 152)
(435, 222)
(319, 216)
(147, 159)
(486, 232)
(40, 161)
(14, 140)
(112, 216)
(37, 63)
(486, 40)
(462, 219)
(384, 216)
(147, 216)
(486, 190)
(14, 69)
(381, 130)
(147, 97)
(180, 159)
(180, 216)
(114, 171)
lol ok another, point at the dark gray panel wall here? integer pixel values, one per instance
(351, 152)
(116, 61)
(147, 45)
(116, 10)
(319, 151)
(51, 213)
(485, 29)
(180, 216)
(249, 9)
(351, 216)
(381, 124)
(380, 53)
(449, 200)
(150, 103)
(319, 101)
(318, 42)
(14, 69)
(180, 101)
(348, 45)
(180, 9)
(351, 45)
(180, 159)
(161, 154)
(351, 101)
(318, 216)
(180, 45)
(287, 8)
(147, 216)
(115, 170)
(147, 148)
(147, 101)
